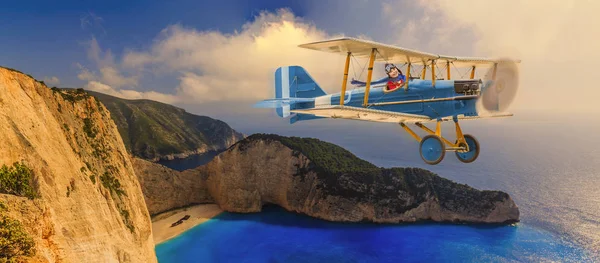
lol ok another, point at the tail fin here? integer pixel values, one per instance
(293, 86)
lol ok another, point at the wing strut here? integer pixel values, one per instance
(369, 75)
(407, 75)
(346, 67)
(433, 73)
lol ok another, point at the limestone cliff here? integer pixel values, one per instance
(166, 189)
(90, 206)
(325, 181)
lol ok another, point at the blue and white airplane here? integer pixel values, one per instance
(412, 100)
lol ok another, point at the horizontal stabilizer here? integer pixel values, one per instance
(278, 103)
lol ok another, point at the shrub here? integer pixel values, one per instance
(71, 187)
(15, 242)
(17, 180)
(72, 96)
(89, 167)
(112, 183)
(126, 219)
(88, 128)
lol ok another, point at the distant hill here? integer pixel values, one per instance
(154, 130)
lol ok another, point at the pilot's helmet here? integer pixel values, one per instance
(389, 67)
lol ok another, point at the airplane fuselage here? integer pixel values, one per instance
(421, 98)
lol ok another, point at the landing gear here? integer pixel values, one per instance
(472, 149)
(433, 147)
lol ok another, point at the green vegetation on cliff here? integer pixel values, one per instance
(17, 180)
(151, 129)
(341, 173)
(327, 157)
(15, 242)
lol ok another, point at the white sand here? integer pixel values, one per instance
(161, 223)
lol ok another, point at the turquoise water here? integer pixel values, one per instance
(278, 236)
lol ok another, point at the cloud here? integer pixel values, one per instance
(557, 42)
(108, 72)
(91, 20)
(214, 66)
(109, 77)
(130, 94)
(52, 81)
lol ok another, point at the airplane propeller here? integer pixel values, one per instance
(499, 92)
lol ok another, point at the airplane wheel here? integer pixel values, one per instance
(472, 154)
(432, 149)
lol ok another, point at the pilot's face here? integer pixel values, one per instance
(394, 73)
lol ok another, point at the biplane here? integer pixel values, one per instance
(421, 98)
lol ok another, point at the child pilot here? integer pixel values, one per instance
(395, 78)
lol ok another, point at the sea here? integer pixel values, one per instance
(548, 163)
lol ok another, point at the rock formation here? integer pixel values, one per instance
(89, 205)
(325, 181)
(166, 189)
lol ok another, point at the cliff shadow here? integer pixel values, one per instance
(191, 162)
(278, 216)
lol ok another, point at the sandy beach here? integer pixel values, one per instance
(161, 223)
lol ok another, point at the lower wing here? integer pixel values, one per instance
(365, 114)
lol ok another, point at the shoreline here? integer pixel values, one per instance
(198, 214)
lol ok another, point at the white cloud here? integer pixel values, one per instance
(109, 72)
(130, 94)
(51, 81)
(91, 20)
(556, 40)
(240, 66)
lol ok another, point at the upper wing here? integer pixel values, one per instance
(366, 114)
(472, 61)
(362, 48)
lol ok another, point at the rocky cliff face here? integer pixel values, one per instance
(325, 181)
(90, 206)
(155, 131)
(166, 189)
